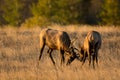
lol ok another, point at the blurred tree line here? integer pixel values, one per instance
(46, 12)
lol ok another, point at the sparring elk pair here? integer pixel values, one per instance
(60, 40)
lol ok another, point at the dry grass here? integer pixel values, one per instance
(19, 52)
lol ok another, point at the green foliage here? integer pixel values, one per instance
(61, 11)
(46, 12)
(11, 11)
(109, 13)
(14, 12)
(36, 21)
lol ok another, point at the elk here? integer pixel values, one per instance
(92, 44)
(56, 40)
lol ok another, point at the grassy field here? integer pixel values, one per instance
(19, 52)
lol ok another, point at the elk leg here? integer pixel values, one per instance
(94, 60)
(96, 57)
(84, 58)
(96, 53)
(50, 51)
(62, 57)
(89, 60)
(41, 51)
(89, 56)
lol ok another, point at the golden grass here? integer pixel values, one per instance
(19, 52)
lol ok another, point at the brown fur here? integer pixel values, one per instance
(92, 44)
(55, 40)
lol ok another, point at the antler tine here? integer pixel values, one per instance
(74, 40)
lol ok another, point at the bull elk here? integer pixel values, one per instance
(56, 40)
(92, 44)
